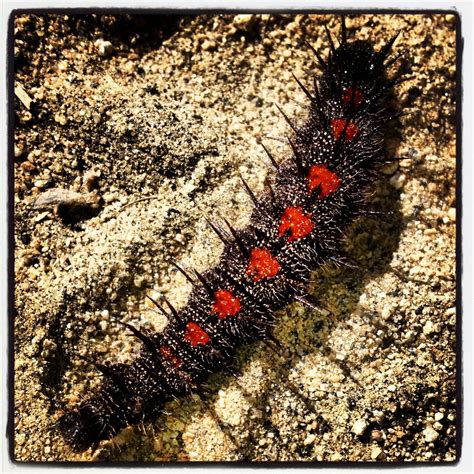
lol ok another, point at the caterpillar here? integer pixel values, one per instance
(297, 225)
(149, 112)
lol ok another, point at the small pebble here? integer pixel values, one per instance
(450, 311)
(129, 67)
(386, 313)
(438, 416)
(428, 328)
(27, 166)
(208, 45)
(109, 197)
(104, 48)
(415, 270)
(399, 434)
(139, 281)
(96, 117)
(423, 361)
(359, 427)
(430, 434)
(40, 217)
(398, 180)
(377, 453)
(336, 457)
(376, 435)
(243, 21)
(452, 214)
(310, 439)
(18, 151)
(379, 415)
(103, 325)
(451, 18)
(335, 378)
(60, 118)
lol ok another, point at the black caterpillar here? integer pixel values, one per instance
(297, 225)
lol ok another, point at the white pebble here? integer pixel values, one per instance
(18, 151)
(450, 312)
(103, 325)
(359, 427)
(336, 457)
(452, 214)
(379, 415)
(422, 361)
(428, 328)
(104, 48)
(376, 452)
(208, 45)
(242, 21)
(430, 434)
(386, 313)
(398, 180)
(109, 197)
(60, 118)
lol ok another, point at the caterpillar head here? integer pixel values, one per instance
(82, 428)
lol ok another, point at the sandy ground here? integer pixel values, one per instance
(140, 125)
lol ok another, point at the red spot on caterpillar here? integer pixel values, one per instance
(352, 96)
(225, 304)
(338, 126)
(295, 221)
(320, 177)
(195, 335)
(262, 264)
(168, 354)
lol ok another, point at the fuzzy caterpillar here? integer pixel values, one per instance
(297, 226)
